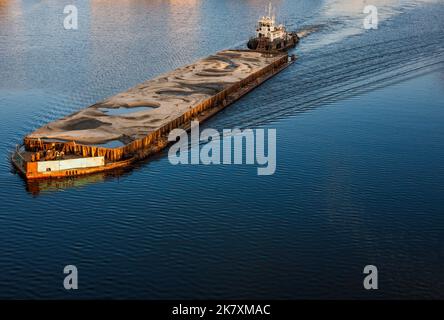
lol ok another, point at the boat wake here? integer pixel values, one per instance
(308, 30)
(350, 67)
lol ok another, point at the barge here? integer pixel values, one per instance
(135, 124)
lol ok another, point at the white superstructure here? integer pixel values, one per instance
(267, 28)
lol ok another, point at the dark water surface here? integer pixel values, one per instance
(360, 157)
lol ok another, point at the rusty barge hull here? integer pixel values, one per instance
(170, 101)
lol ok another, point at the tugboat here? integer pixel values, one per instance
(270, 37)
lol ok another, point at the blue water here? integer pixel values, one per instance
(359, 121)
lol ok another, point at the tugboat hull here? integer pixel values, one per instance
(264, 44)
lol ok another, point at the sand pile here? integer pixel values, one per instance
(163, 99)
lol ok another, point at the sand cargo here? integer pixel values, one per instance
(135, 124)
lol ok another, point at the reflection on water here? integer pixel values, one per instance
(42, 186)
(36, 187)
(359, 170)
